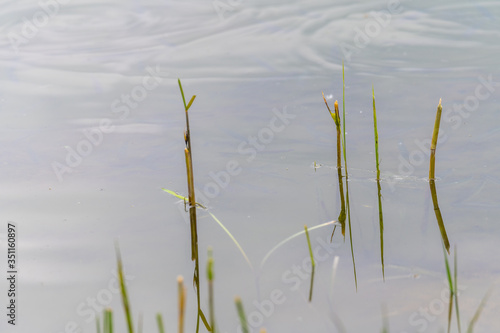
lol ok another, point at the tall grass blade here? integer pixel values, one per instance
(159, 321)
(313, 264)
(379, 189)
(336, 118)
(347, 179)
(435, 135)
(192, 208)
(123, 289)
(241, 315)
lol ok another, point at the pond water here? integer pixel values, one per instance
(92, 128)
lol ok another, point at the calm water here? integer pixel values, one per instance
(92, 129)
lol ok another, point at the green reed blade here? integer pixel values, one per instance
(241, 315)
(159, 321)
(123, 289)
(435, 135)
(280, 244)
(313, 264)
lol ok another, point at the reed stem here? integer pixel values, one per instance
(435, 135)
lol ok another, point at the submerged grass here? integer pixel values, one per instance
(313, 264)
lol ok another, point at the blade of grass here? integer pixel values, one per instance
(241, 315)
(289, 239)
(123, 289)
(379, 188)
(450, 285)
(313, 264)
(347, 180)
(159, 321)
(336, 118)
(435, 135)
(218, 222)
(475, 318)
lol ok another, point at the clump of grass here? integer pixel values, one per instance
(241, 314)
(313, 264)
(379, 188)
(345, 205)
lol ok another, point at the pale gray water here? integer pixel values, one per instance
(66, 72)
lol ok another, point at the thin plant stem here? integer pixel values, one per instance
(379, 188)
(347, 179)
(336, 118)
(159, 321)
(435, 135)
(313, 264)
(439, 217)
(123, 289)
(241, 315)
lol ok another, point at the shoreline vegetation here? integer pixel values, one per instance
(344, 214)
